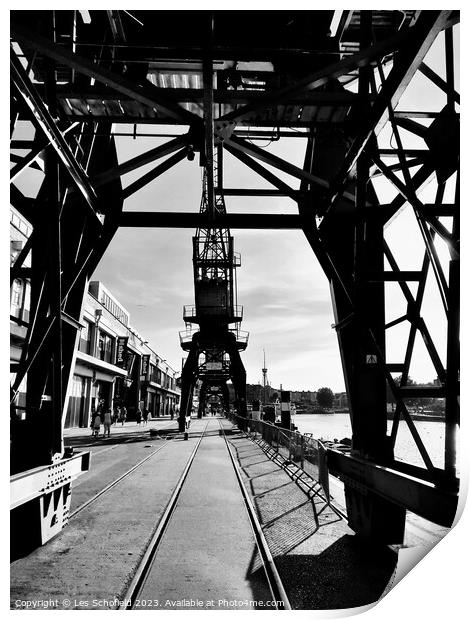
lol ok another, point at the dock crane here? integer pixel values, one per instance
(218, 341)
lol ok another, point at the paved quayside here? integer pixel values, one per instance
(208, 552)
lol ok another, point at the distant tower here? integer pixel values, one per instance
(265, 377)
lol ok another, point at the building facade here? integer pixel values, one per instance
(114, 365)
(20, 293)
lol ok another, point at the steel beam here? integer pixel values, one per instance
(167, 219)
(408, 192)
(257, 193)
(422, 36)
(188, 381)
(16, 270)
(153, 174)
(207, 154)
(145, 94)
(367, 381)
(117, 28)
(36, 150)
(263, 172)
(324, 75)
(238, 144)
(25, 162)
(413, 315)
(452, 379)
(141, 160)
(452, 94)
(421, 498)
(412, 126)
(48, 126)
(196, 95)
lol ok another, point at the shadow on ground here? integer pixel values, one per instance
(347, 574)
(322, 564)
(149, 434)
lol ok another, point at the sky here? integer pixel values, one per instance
(285, 294)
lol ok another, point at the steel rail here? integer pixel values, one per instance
(272, 575)
(112, 484)
(146, 562)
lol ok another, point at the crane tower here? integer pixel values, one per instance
(214, 347)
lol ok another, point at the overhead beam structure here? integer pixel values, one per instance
(154, 219)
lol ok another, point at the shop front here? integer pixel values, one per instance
(93, 384)
(128, 388)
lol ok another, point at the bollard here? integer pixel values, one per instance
(186, 437)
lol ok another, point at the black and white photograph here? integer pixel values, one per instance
(234, 308)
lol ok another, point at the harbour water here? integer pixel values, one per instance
(338, 426)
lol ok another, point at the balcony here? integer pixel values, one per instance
(186, 337)
(231, 315)
(242, 338)
(189, 314)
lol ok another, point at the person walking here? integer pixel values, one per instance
(92, 419)
(123, 415)
(116, 414)
(107, 423)
(172, 412)
(96, 425)
(138, 416)
(145, 415)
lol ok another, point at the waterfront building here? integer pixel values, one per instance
(341, 401)
(304, 397)
(114, 365)
(20, 293)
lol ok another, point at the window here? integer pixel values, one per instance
(26, 301)
(105, 347)
(154, 373)
(17, 298)
(85, 338)
(17, 293)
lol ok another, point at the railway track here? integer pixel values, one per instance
(150, 566)
(274, 581)
(112, 484)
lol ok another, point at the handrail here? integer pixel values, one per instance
(308, 453)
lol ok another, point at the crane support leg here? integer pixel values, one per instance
(238, 376)
(225, 396)
(202, 399)
(188, 380)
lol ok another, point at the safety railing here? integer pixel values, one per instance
(241, 336)
(193, 313)
(307, 453)
(186, 336)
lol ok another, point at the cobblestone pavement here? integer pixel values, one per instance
(321, 562)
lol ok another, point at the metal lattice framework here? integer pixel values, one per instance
(224, 80)
(215, 311)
